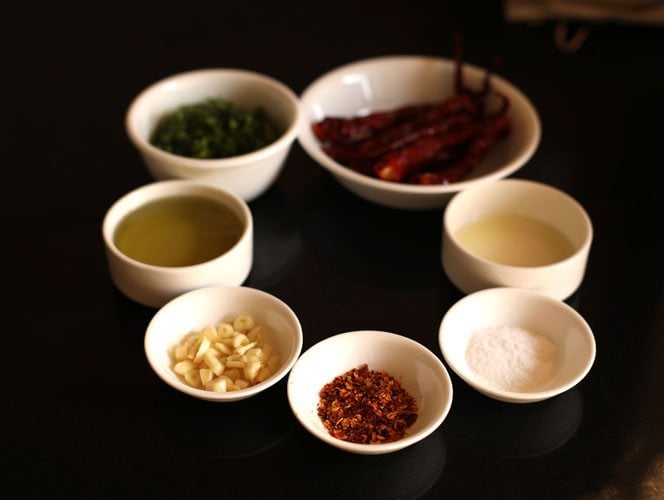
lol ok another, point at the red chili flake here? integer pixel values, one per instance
(366, 406)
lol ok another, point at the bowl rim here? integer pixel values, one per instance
(312, 148)
(443, 380)
(179, 187)
(514, 396)
(287, 136)
(221, 397)
(579, 251)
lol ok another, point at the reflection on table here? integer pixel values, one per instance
(514, 430)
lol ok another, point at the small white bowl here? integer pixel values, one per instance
(247, 175)
(386, 83)
(418, 370)
(525, 309)
(155, 285)
(197, 309)
(470, 272)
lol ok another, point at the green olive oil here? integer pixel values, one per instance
(178, 231)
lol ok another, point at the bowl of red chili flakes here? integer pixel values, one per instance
(369, 392)
(409, 132)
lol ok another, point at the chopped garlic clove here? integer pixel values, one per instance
(183, 367)
(240, 340)
(218, 368)
(225, 330)
(193, 378)
(256, 352)
(217, 385)
(180, 352)
(206, 375)
(202, 349)
(243, 323)
(223, 348)
(210, 359)
(211, 333)
(251, 370)
(244, 348)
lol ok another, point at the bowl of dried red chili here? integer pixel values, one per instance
(408, 132)
(369, 392)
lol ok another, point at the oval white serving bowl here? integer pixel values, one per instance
(248, 175)
(390, 82)
(197, 309)
(155, 285)
(529, 310)
(418, 370)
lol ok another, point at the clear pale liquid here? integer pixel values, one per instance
(515, 240)
(178, 231)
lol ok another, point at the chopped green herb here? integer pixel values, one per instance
(214, 128)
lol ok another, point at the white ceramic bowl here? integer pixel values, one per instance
(208, 306)
(535, 312)
(386, 83)
(155, 285)
(418, 370)
(470, 273)
(247, 175)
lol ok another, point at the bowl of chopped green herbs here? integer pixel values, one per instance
(228, 127)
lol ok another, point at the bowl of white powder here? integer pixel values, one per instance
(516, 345)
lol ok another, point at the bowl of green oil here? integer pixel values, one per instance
(169, 237)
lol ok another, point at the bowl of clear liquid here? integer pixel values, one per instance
(516, 233)
(169, 237)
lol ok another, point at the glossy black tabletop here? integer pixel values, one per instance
(84, 416)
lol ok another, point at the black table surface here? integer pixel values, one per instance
(83, 415)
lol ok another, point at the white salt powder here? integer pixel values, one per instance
(511, 358)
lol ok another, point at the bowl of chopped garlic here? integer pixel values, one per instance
(369, 392)
(223, 343)
(516, 345)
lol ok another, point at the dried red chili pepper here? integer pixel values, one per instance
(333, 129)
(440, 119)
(495, 128)
(401, 164)
(366, 406)
(394, 139)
